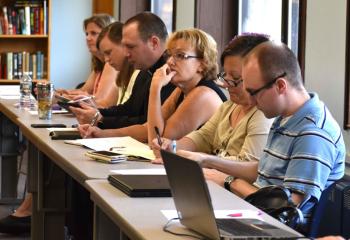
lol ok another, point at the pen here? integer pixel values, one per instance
(235, 215)
(81, 99)
(111, 148)
(158, 136)
(93, 121)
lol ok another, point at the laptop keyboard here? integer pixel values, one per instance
(236, 227)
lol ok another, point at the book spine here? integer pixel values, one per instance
(32, 20)
(20, 65)
(45, 17)
(14, 21)
(5, 29)
(22, 21)
(9, 19)
(34, 66)
(37, 20)
(27, 63)
(15, 65)
(4, 65)
(9, 65)
(30, 67)
(27, 19)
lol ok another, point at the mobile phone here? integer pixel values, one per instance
(106, 156)
(48, 125)
(62, 99)
(66, 105)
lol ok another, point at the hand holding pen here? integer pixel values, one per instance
(166, 143)
(159, 139)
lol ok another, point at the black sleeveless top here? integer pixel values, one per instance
(207, 83)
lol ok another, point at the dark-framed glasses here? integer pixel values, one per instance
(266, 86)
(179, 56)
(232, 83)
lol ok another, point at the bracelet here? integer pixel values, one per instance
(94, 119)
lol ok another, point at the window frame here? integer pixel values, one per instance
(346, 122)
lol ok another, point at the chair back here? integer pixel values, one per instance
(326, 217)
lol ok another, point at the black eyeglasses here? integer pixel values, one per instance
(231, 83)
(179, 56)
(266, 86)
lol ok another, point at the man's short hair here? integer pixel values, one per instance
(275, 59)
(148, 25)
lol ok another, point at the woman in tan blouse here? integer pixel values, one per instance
(238, 130)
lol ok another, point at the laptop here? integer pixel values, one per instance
(141, 185)
(195, 210)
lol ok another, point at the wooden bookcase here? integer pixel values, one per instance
(31, 43)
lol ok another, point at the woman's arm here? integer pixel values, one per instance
(190, 115)
(107, 91)
(155, 116)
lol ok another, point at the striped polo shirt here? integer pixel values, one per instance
(306, 153)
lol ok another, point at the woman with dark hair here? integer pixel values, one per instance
(238, 130)
(109, 44)
(101, 81)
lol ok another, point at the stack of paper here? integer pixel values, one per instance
(123, 145)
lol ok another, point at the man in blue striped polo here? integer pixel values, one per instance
(305, 148)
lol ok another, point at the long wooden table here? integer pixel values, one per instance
(52, 162)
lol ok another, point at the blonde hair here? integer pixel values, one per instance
(205, 48)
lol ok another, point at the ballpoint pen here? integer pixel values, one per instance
(158, 136)
(93, 121)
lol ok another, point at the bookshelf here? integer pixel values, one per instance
(24, 40)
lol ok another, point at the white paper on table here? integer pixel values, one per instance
(9, 97)
(35, 112)
(245, 213)
(122, 145)
(62, 129)
(9, 90)
(146, 171)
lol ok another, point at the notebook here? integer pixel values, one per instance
(141, 185)
(195, 211)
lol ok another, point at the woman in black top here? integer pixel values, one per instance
(191, 67)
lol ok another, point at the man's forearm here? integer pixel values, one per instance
(244, 170)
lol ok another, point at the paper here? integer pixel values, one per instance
(9, 90)
(62, 129)
(245, 213)
(123, 145)
(9, 97)
(145, 171)
(35, 112)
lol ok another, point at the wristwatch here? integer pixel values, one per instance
(228, 181)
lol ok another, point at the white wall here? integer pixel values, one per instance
(69, 57)
(325, 55)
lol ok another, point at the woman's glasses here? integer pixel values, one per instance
(231, 83)
(179, 56)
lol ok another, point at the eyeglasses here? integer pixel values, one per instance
(266, 86)
(179, 56)
(231, 83)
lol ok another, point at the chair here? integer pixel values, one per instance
(330, 214)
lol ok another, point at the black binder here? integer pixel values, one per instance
(65, 135)
(141, 185)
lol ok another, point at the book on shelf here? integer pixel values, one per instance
(14, 64)
(24, 17)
